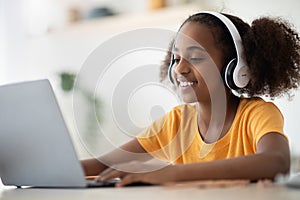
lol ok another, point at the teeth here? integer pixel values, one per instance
(185, 84)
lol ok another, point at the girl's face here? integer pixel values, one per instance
(198, 63)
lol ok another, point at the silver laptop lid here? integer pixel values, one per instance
(35, 145)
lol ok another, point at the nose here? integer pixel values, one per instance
(183, 67)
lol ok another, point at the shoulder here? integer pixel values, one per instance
(175, 116)
(181, 113)
(253, 102)
(258, 105)
(259, 117)
(168, 125)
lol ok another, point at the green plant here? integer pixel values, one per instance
(67, 81)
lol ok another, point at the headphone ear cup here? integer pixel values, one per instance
(170, 75)
(228, 74)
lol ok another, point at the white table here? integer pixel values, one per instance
(251, 192)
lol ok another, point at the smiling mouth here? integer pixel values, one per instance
(186, 83)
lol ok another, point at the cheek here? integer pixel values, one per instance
(208, 74)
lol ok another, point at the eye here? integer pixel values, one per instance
(196, 59)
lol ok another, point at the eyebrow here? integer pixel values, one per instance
(191, 48)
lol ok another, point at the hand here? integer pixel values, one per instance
(139, 172)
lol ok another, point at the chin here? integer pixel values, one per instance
(189, 100)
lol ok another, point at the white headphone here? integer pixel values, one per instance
(236, 72)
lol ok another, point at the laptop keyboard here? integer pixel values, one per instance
(110, 183)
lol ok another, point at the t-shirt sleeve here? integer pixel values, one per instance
(266, 118)
(156, 138)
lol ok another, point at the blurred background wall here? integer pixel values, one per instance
(43, 38)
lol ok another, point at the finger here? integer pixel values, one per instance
(102, 174)
(106, 171)
(128, 179)
(110, 175)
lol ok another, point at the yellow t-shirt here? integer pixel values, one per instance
(175, 137)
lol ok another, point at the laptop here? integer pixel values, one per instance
(35, 145)
(293, 181)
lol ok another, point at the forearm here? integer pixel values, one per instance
(252, 167)
(131, 151)
(92, 167)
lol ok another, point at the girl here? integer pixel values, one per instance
(228, 132)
